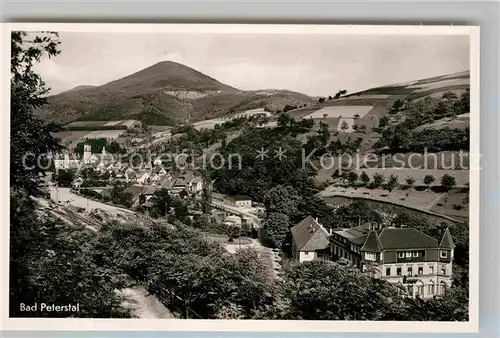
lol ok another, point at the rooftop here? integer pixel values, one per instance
(240, 198)
(405, 238)
(309, 235)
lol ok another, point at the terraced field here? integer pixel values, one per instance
(340, 111)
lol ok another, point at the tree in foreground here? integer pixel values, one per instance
(329, 291)
(49, 262)
(30, 136)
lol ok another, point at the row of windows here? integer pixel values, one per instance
(421, 253)
(341, 253)
(419, 271)
(430, 289)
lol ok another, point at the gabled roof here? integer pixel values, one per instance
(405, 238)
(149, 190)
(137, 190)
(309, 235)
(165, 181)
(447, 241)
(180, 182)
(134, 190)
(372, 243)
(142, 173)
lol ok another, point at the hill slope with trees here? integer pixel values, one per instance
(164, 94)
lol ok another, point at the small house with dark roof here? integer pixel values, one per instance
(310, 240)
(239, 201)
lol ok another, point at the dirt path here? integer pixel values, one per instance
(143, 304)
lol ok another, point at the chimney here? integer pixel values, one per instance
(330, 231)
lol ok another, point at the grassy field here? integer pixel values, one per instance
(113, 134)
(157, 129)
(88, 123)
(420, 87)
(453, 204)
(340, 111)
(460, 122)
(423, 200)
(70, 137)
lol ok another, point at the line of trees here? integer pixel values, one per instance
(378, 180)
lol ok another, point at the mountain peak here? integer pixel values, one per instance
(168, 75)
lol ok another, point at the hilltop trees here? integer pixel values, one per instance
(378, 180)
(428, 180)
(406, 138)
(352, 177)
(396, 106)
(448, 96)
(364, 178)
(383, 122)
(448, 182)
(410, 181)
(392, 183)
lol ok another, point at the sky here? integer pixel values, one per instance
(317, 65)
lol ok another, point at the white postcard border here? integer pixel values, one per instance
(247, 325)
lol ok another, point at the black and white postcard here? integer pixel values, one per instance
(241, 177)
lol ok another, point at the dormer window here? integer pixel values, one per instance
(444, 254)
(370, 256)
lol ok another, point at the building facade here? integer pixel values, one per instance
(310, 241)
(406, 256)
(417, 262)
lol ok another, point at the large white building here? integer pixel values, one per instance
(417, 262)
